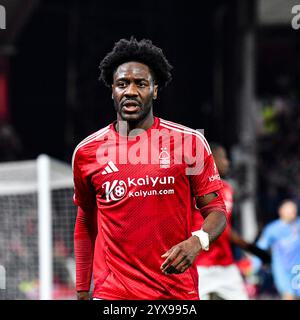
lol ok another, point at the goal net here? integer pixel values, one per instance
(36, 230)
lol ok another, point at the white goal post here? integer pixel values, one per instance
(44, 227)
(36, 233)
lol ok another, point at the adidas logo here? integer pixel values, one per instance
(110, 168)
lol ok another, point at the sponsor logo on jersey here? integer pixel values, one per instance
(117, 189)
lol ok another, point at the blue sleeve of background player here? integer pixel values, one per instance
(264, 242)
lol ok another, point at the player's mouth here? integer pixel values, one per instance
(130, 106)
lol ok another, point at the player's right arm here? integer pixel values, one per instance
(84, 242)
(85, 231)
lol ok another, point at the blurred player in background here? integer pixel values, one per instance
(141, 246)
(282, 236)
(219, 277)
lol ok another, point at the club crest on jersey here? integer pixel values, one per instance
(164, 159)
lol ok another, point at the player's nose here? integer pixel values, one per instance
(131, 90)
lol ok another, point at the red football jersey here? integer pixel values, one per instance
(220, 253)
(143, 187)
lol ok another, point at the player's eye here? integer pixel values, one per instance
(142, 84)
(121, 84)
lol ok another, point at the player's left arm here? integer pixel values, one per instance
(181, 256)
(213, 210)
(205, 183)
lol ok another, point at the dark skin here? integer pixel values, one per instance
(221, 160)
(83, 295)
(133, 91)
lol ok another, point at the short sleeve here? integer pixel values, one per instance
(206, 178)
(84, 194)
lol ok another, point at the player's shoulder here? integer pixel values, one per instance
(86, 142)
(184, 130)
(174, 126)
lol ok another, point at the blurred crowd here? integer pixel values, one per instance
(278, 173)
(278, 156)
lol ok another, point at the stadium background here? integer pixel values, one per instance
(236, 75)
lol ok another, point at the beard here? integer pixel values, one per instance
(139, 115)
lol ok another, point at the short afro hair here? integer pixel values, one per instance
(141, 51)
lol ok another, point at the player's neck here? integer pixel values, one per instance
(144, 124)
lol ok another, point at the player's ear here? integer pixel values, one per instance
(112, 91)
(155, 92)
